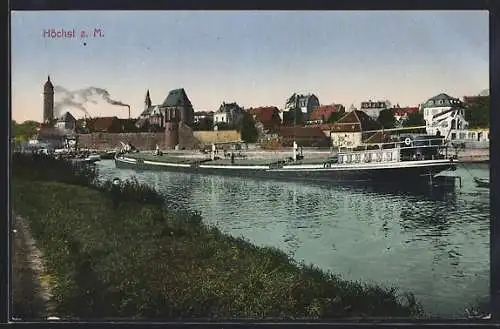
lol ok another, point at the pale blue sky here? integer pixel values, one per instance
(255, 58)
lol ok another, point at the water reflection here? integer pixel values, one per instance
(433, 243)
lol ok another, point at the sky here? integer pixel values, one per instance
(254, 58)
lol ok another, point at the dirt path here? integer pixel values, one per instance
(31, 299)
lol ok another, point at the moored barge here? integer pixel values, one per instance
(407, 161)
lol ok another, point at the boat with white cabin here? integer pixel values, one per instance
(406, 160)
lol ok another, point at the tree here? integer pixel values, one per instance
(478, 113)
(415, 119)
(293, 117)
(387, 119)
(25, 130)
(248, 131)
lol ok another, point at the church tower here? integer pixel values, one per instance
(147, 101)
(48, 101)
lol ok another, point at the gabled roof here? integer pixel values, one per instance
(378, 137)
(355, 121)
(265, 114)
(66, 117)
(229, 107)
(150, 110)
(302, 132)
(176, 97)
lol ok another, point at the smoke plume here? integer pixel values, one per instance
(66, 99)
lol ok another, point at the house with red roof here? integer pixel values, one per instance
(268, 116)
(304, 136)
(353, 129)
(323, 112)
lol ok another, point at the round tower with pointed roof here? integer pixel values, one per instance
(48, 101)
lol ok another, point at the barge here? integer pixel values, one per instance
(405, 161)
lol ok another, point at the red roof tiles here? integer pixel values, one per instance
(302, 132)
(324, 112)
(405, 110)
(269, 115)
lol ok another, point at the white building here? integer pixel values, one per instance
(445, 115)
(229, 115)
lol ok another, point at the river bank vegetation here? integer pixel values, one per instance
(141, 260)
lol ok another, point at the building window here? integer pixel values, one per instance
(453, 136)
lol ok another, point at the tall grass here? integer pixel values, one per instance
(141, 260)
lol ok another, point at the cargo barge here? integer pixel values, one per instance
(406, 161)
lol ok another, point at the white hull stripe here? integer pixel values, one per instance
(166, 164)
(315, 167)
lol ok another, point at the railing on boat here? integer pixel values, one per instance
(394, 151)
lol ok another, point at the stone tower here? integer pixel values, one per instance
(48, 101)
(147, 101)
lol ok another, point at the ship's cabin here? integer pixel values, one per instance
(399, 148)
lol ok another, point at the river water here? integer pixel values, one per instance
(435, 245)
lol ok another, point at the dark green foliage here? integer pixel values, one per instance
(293, 117)
(478, 114)
(46, 168)
(144, 261)
(23, 131)
(387, 119)
(248, 131)
(415, 119)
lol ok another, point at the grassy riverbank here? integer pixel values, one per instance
(141, 260)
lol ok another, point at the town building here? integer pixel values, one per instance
(307, 103)
(353, 129)
(268, 116)
(373, 109)
(66, 122)
(303, 136)
(401, 113)
(203, 120)
(444, 115)
(323, 112)
(228, 116)
(110, 125)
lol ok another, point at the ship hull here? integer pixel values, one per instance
(414, 172)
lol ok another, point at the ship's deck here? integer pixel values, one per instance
(168, 158)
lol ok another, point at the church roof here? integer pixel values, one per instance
(176, 97)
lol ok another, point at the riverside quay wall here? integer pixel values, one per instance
(148, 141)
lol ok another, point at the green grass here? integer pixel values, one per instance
(143, 261)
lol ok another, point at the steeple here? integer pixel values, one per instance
(48, 87)
(147, 101)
